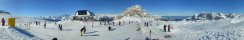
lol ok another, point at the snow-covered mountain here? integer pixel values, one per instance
(4, 14)
(173, 18)
(104, 17)
(56, 18)
(213, 16)
(136, 13)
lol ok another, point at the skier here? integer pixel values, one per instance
(92, 24)
(3, 22)
(28, 25)
(36, 23)
(83, 30)
(55, 23)
(100, 23)
(60, 27)
(138, 27)
(123, 22)
(109, 28)
(104, 23)
(145, 24)
(169, 26)
(150, 34)
(157, 23)
(45, 25)
(119, 23)
(165, 28)
(151, 24)
(113, 23)
(39, 23)
(108, 23)
(129, 22)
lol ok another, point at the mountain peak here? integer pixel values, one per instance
(135, 10)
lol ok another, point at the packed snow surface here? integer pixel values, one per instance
(223, 29)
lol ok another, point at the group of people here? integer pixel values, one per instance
(60, 26)
(83, 30)
(113, 22)
(45, 25)
(37, 23)
(105, 23)
(108, 23)
(28, 25)
(167, 27)
(132, 22)
(146, 24)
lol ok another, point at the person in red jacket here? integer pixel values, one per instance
(3, 22)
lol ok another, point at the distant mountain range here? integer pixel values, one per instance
(201, 16)
(4, 12)
(214, 16)
(174, 18)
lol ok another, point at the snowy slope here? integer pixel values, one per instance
(182, 30)
(212, 30)
(223, 29)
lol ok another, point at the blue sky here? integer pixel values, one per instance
(153, 7)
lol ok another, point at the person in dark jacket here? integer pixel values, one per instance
(45, 24)
(109, 28)
(108, 22)
(36, 23)
(129, 22)
(83, 30)
(113, 23)
(104, 23)
(119, 23)
(165, 28)
(145, 24)
(100, 23)
(60, 27)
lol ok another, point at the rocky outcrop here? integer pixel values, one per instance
(136, 11)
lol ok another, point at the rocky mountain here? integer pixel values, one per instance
(137, 14)
(136, 11)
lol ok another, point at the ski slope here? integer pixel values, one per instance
(224, 29)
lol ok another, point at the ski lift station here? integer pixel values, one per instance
(83, 15)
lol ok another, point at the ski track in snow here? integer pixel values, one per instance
(8, 33)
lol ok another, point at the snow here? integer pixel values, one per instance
(222, 29)
(225, 29)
